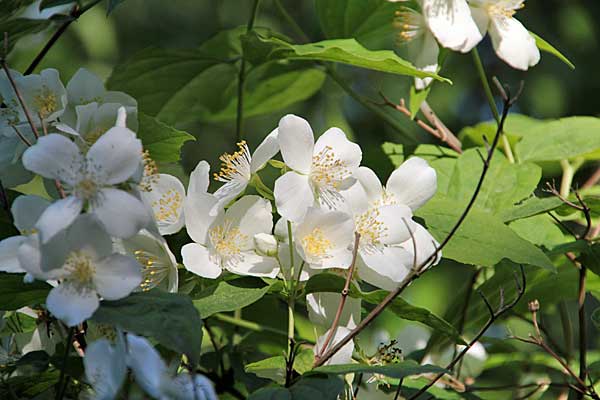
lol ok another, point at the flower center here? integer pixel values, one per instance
(408, 24)
(81, 269)
(327, 170)
(45, 102)
(235, 166)
(505, 8)
(370, 228)
(167, 208)
(154, 270)
(150, 175)
(227, 240)
(316, 244)
(86, 189)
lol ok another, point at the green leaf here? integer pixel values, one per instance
(230, 296)
(162, 141)
(560, 139)
(272, 368)
(181, 87)
(482, 239)
(344, 51)
(20, 27)
(14, 293)
(591, 257)
(530, 207)
(368, 21)
(53, 3)
(547, 47)
(34, 362)
(516, 126)
(417, 97)
(169, 318)
(327, 282)
(596, 318)
(311, 388)
(398, 371)
(505, 183)
(112, 4)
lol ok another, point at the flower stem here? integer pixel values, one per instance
(490, 98)
(242, 78)
(61, 386)
(292, 293)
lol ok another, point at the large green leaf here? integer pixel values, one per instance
(230, 296)
(482, 239)
(516, 126)
(184, 86)
(272, 368)
(504, 185)
(564, 138)
(368, 21)
(14, 293)
(326, 282)
(399, 370)
(162, 141)
(345, 51)
(530, 207)
(170, 318)
(20, 27)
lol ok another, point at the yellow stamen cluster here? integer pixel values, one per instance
(150, 172)
(227, 240)
(45, 103)
(92, 136)
(236, 165)
(316, 244)
(370, 228)
(81, 269)
(408, 23)
(327, 170)
(167, 208)
(86, 189)
(153, 270)
(500, 9)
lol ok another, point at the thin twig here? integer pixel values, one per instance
(494, 315)
(345, 291)
(415, 274)
(61, 386)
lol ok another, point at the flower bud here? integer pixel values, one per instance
(534, 306)
(265, 244)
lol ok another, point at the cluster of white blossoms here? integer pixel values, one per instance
(323, 197)
(460, 25)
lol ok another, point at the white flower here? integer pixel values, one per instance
(422, 47)
(265, 244)
(226, 241)
(90, 180)
(511, 40)
(319, 170)
(105, 368)
(44, 96)
(237, 168)
(451, 23)
(383, 218)
(323, 238)
(85, 88)
(165, 194)
(91, 270)
(159, 266)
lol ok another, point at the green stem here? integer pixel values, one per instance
(242, 79)
(368, 104)
(61, 386)
(568, 173)
(292, 292)
(490, 98)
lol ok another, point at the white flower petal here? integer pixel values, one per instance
(513, 43)
(199, 179)
(451, 23)
(228, 192)
(370, 183)
(398, 223)
(265, 151)
(293, 195)
(322, 308)
(9, 251)
(166, 198)
(253, 264)
(147, 366)
(117, 276)
(115, 156)
(72, 305)
(198, 209)
(413, 183)
(105, 369)
(335, 141)
(84, 87)
(26, 210)
(344, 355)
(425, 243)
(296, 141)
(58, 216)
(386, 268)
(197, 260)
(55, 157)
(183, 389)
(252, 214)
(122, 214)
